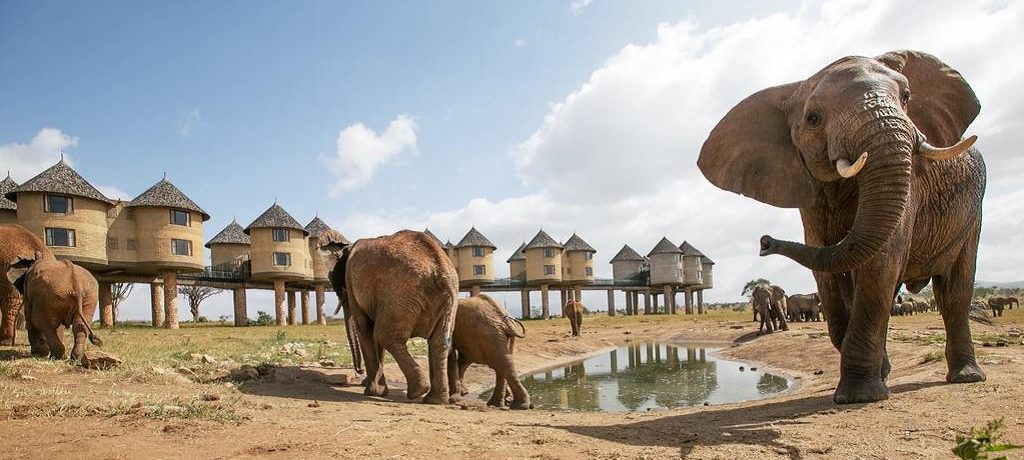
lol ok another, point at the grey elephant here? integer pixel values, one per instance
(398, 287)
(574, 310)
(15, 242)
(854, 148)
(770, 310)
(485, 334)
(804, 307)
(56, 294)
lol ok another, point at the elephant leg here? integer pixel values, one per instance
(438, 344)
(863, 354)
(78, 330)
(835, 291)
(520, 398)
(36, 340)
(462, 366)
(498, 396)
(53, 339)
(375, 383)
(953, 294)
(10, 303)
(417, 382)
(453, 372)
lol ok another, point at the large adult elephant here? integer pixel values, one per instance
(761, 301)
(852, 148)
(574, 311)
(804, 307)
(15, 243)
(398, 287)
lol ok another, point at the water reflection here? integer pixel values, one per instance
(643, 376)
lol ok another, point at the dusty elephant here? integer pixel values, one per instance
(15, 242)
(804, 307)
(56, 293)
(997, 304)
(761, 299)
(485, 334)
(398, 287)
(881, 206)
(574, 311)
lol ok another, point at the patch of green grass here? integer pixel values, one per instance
(977, 444)
(932, 356)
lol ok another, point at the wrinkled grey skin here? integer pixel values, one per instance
(804, 307)
(911, 216)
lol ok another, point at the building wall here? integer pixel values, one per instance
(666, 269)
(262, 253)
(466, 262)
(88, 219)
(535, 262)
(8, 216)
(625, 268)
(692, 270)
(575, 267)
(517, 270)
(119, 230)
(221, 254)
(154, 247)
(706, 270)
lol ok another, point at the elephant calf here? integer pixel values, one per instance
(574, 311)
(55, 293)
(484, 334)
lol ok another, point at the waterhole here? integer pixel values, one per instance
(646, 376)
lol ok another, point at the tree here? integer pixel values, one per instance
(119, 292)
(196, 294)
(749, 287)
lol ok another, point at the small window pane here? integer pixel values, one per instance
(588, 255)
(590, 271)
(181, 247)
(549, 269)
(130, 213)
(478, 252)
(60, 237)
(58, 204)
(282, 259)
(131, 244)
(479, 270)
(179, 217)
(281, 234)
(549, 252)
(111, 242)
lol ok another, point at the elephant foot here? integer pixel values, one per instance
(496, 402)
(40, 351)
(966, 373)
(521, 405)
(375, 389)
(852, 391)
(417, 389)
(434, 397)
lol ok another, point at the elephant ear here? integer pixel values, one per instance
(16, 271)
(942, 104)
(750, 152)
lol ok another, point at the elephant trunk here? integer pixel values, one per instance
(883, 187)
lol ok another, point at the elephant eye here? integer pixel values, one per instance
(814, 119)
(905, 97)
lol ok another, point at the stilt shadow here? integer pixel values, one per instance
(713, 427)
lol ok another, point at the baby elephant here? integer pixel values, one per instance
(485, 334)
(574, 311)
(55, 293)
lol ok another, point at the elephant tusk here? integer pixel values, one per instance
(845, 169)
(933, 153)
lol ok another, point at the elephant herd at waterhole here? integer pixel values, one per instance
(855, 147)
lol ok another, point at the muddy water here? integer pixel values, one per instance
(645, 376)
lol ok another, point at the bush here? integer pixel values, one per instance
(263, 319)
(979, 441)
(202, 319)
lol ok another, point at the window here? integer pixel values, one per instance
(590, 271)
(58, 204)
(549, 270)
(60, 237)
(111, 242)
(549, 252)
(568, 270)
(478, 252)
(281, 234)
(181, 247)
(479, 270)
(129, 213)
(179, 217)
(679, 273)
(282, 259)
(131, 244)
(588, 255)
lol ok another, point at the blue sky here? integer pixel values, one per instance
(581, 116)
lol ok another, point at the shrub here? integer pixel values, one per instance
(263, 319)
(979, 442)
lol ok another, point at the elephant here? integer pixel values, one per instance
(15, 242)
(881, 205)
(56, 293)
(763, 300)
(998, 304)
(485, 334)
(804, 307)
(921, 306)
(397, 287)
(1012, 302)
(574, 311)
(337, 279)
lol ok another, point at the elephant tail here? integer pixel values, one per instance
(511, 329)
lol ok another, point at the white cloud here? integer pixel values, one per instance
(113, 192)
(188, 120)
(616, 158)
(44, 150)
(360, 151)
(520, 42)
(576, 7)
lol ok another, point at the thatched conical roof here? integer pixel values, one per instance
(448, 245)
(275, 217)
(518, 254)
(321, 234)
(706, 260)
(59, 178)
(575, 243)
(474, 238)
(232, 234)
(7, 185)
(689, 250)
(627, 254)
(664, 247)
(164, 194)
(434, 237)
(542, 240)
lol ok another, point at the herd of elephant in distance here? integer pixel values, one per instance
(855, 147)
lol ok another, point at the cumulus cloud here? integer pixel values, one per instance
(615, 159)
(26, 160)
(188, 120)
(113, 192)
(576, 8)
(361, 150)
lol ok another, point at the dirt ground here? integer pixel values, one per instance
(294, 412)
